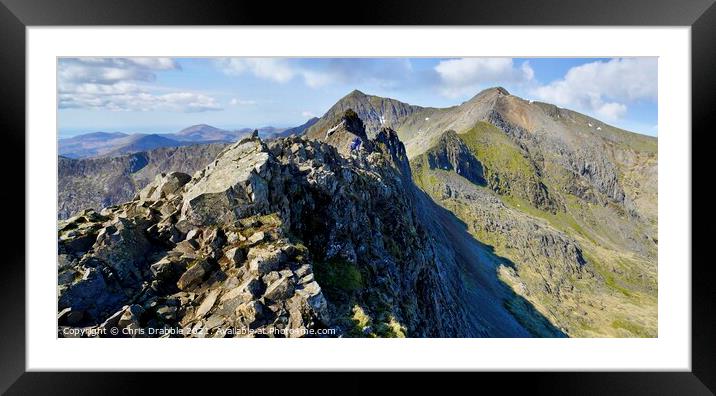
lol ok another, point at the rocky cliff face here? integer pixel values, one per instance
(451, 153)
(587, 280)
(288, 238)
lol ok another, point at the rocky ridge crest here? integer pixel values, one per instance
(241, 244)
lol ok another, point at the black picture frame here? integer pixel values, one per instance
(16, 15)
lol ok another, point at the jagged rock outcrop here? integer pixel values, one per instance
(486, 161)
(281, 239)
(346, 129)
(451, 153)
(376, 112)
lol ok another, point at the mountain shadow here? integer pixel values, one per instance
(493, 307)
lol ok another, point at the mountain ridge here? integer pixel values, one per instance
(234, 246)
(582, 181)
(533, 220)
(375, 112)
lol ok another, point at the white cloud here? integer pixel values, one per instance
(351, 71)
(267, 68)
(308, 114)
(185, 102)
(188, 102)
(239, 102)
(316, 74)
(112, 70)
(604, 88)
(156, 63)
(466, 76)
(273, 69)
(317, 80)
(119, 84)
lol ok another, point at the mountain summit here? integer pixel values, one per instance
(500, 217)
(375, 112)
(205, 133)
(585, 183)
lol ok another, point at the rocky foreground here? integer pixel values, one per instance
(286, 238)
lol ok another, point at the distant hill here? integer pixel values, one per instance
(102, 144)
(141, 142)
(104, 181)
(88, 144)
(112, 144)
(205, 133)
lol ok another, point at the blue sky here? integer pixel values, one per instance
(162, 95)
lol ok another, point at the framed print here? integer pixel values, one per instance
(446, 189)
